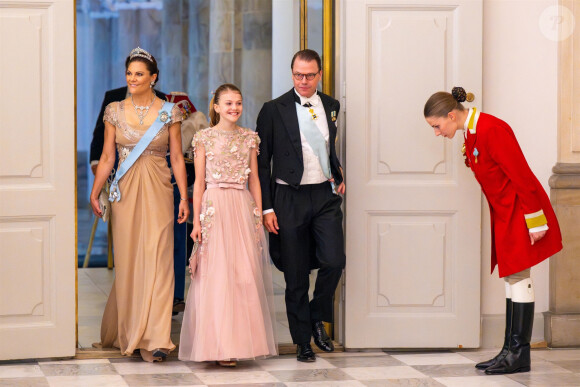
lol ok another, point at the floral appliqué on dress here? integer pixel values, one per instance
(227, 154)
(227, 160)
(258, 224)
(206, 218)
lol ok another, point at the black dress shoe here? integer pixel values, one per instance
(321, 338)
(305, 353)
(178, 306)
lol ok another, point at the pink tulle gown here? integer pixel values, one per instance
(229, 314)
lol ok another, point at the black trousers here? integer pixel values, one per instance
(310, 235)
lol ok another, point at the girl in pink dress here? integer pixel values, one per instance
(229, 314)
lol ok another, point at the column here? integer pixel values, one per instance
(254, 57)
(149, 33)
(173, 59)
(198, 48)
(221, 42)
(562, 321)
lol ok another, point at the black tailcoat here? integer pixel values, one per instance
(279, 133)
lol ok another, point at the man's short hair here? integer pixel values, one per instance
(307, 55)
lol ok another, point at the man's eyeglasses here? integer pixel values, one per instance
(299, 76)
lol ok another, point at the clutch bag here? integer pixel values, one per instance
(193, 259)
(104, 204)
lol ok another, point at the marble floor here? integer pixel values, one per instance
(553, 368)
(556, 368)
(94, 285)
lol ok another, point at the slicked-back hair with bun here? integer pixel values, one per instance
(442, 103)
(214, 117)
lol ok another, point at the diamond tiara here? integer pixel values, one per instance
(140, 53)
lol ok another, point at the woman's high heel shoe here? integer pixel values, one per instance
(161, 353)
(148, 356)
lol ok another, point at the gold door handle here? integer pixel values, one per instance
(470, 97)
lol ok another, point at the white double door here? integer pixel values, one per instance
(413, 210)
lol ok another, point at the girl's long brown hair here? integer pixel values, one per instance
(214, 117)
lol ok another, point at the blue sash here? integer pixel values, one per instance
(315, 139)
(163, 118)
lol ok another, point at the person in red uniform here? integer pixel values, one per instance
(524, 228)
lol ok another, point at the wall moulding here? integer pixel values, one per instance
(561, 322)
(566, 176)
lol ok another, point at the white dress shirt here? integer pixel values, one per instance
(313, 173)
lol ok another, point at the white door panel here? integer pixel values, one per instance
(37, 179)
(413, 208)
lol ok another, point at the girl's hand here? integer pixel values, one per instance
(536, 236)
(183, 211)
(96, 206)
(196, 232)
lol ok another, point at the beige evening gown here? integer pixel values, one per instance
(138, 311)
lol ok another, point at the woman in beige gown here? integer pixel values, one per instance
(138, 312)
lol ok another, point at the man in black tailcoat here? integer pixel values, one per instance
(301, 180)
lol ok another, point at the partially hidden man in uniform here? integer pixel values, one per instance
(301, 180)
(524, 228)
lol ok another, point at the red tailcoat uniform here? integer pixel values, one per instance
(517, 200)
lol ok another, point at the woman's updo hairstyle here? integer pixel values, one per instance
(214, 117)
(442, 102)
(140, 55)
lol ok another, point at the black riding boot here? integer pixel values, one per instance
(517, 359)
(506, 341)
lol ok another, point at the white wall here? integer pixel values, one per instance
(519, 86)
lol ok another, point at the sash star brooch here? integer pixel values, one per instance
(164, 116)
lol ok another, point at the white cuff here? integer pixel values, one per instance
(267, 211)
(539, 228)
(94, 162)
